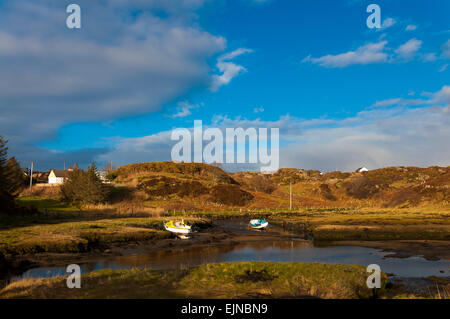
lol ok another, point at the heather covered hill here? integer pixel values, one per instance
(196, 171)
(201, 186)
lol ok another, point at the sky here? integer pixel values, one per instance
(342, 95)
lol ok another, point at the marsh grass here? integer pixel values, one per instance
(80, 236)
(223, 280)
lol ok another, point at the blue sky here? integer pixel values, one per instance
(342, 94)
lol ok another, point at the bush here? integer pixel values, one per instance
(84, 187)
(261, 183)
(361, 187)
(230, 195)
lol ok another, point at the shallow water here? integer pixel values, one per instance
(279, 251)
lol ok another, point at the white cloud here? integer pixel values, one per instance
(184, 109)
(388, 22)
(258, 109)
(411, 27)
(429, 57)
(446, 49)
(408, 49)
(443, 68)
(376, 138)
(442, 98)
(119, 64)
(366, 54)
(229, 70)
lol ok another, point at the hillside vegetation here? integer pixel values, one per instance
(196, 186)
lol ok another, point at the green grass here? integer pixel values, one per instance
(46, 204)
(223, 280)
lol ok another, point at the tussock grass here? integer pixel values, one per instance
(223, 280)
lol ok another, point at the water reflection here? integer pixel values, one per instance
(278, 251)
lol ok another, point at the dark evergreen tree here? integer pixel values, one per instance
(3, 161)
(85, 187)
(15, 177)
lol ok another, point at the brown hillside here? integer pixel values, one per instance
(201, 185)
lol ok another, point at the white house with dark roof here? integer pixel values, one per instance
(57, 176)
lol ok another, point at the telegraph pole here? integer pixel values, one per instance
(31, 177)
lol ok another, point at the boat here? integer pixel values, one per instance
(178, 227)
(258, 223)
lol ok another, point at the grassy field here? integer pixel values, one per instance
(368, 224)
(46, 204)
(224, 280)
(319, 223)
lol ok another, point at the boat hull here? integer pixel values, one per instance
(257, 224)
(178, 230)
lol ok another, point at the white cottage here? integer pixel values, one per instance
(362, 169)
(57, 176)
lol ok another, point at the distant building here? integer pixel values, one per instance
(57, 176)
(361, 169)
(41, 177)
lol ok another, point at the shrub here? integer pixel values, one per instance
(230, 195)
(361, 187)
(261, 183)
(326, 192)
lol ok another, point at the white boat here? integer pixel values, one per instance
(178, 227)
(258, 223)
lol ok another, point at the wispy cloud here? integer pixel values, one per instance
(443, 68)
(373, 53)
(446, 49)
(408, 49)
(366, 54)
(441, 97)
(228, 69)
(388, 22)
(184, 109)
(376, 137)
(258, 109)
(411, 27)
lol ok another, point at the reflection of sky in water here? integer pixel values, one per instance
(287, 251)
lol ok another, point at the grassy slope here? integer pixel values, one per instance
(224, 280)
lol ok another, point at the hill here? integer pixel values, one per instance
(196, 186)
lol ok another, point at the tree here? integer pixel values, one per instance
(15, 176)
(85, 187)
(3, 160)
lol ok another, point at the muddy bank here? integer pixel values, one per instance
(429, 249)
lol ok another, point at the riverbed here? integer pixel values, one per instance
(236, 242)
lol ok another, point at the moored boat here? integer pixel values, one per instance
(258, 223)
(178, 227)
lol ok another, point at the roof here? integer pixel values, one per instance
(41, 176)
(59, 172)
